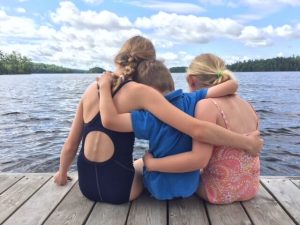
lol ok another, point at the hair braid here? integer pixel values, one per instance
(134, 50)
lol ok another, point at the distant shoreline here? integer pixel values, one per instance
(14, 63)
(43, 74)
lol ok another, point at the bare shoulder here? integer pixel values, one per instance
(206, 110)
(91, 89)
(205, 105)
(136, 89)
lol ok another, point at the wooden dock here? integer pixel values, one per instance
(35, 199)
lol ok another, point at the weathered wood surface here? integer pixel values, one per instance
(287, 194)
(190, 211)
(265, 210)
(35, 199)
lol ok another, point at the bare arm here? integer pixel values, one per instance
(144, 97)
(110, 117)
(227, 88)
(70, 147)
(196, 159)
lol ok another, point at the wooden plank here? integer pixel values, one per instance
(264, 210)
(287, 193)
(189, 211)
(15, 196)
(231, 214)
(147, 211)
(41, 204)
(73, 210)
(108, 214)
(7, 180)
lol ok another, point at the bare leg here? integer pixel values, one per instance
(137, 184)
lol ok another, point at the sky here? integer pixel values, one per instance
(86, 33)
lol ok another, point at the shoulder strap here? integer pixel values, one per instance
(115, 92)
(221, 112)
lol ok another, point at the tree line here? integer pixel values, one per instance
(15, 63)
(274, 64)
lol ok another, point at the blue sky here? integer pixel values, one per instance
(87, 33)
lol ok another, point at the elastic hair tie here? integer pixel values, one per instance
(219, 74)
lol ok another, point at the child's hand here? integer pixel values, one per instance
(105, 79)
(61, 179)
(257, 143)
(147, 159)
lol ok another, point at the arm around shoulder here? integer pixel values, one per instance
(227, 88)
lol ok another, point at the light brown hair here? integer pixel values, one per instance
(134, 51)
(210, 70)
(155, 74)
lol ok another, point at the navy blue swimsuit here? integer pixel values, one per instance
(109, 181)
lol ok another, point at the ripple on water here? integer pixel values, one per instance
(35, 123)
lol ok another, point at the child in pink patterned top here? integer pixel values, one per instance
(228, 174)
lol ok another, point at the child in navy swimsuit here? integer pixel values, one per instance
(108, 181)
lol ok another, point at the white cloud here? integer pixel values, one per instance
(69, 14)
(180, 58)
(227, 3)
(20, 10)
(253, 37)
(12, 26)
(93, 1)
(86, 38)
(230, 59)
(280, 54)
(189, 28)
(176, 7)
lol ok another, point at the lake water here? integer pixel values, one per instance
(37, 110)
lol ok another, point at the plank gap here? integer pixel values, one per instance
(129, 208)
(11, 185)
(206, 211)
(51, 211)
(247, 213)
(18, 207)
(88, 215)
(279, 203)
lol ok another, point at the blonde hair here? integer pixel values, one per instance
(133, 51)
(210, 70)
(155, 74)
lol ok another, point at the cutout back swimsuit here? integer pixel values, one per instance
(109, 181)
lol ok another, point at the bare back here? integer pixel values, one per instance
(98, 146)
(239, 114)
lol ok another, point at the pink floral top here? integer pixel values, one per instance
(231, 174)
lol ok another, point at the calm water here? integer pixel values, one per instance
(37, 110)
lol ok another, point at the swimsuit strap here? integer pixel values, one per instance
(221, 112)
(121, 85)
(115, 92)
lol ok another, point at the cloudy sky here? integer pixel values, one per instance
(87, 33)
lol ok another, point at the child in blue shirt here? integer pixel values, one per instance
(163, 139)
